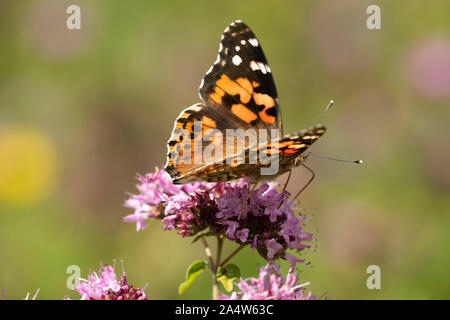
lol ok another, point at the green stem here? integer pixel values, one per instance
(216, 291)
(232, 255)
(213, 267)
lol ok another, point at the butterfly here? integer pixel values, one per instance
(239, 95)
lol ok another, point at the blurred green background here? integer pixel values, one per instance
(83, 111)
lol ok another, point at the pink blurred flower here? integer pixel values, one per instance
(428, 67)
(271, 285)
(340, 46)
(105, 286)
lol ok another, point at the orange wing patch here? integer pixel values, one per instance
(217, 95)
(290, 151)
(267, 101)
(190, 127)
(245, 83)
(208, 122)
(245, 89)
(233, 88)
(243, 113)
(285, 143)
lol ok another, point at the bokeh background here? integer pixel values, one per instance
(83, 111)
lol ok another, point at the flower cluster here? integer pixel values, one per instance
(271, 285)
(261, 217)
(156, 191)
(105, 286)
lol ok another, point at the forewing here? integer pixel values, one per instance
(240, 85)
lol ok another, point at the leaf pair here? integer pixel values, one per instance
(225, 275)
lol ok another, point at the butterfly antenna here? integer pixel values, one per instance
(307, 184)
(330, 104)
(335, 159)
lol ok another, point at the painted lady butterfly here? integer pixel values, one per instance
(239, 94)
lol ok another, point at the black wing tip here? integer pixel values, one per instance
(237, 25)
(319, 127)
(237, 22)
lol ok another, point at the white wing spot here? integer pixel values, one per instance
(237, 60)
(254, 66)
(243, 42)
(237, 48)
(253, 42)
(262, 67)
(196, 108)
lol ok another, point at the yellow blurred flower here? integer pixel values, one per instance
(28, 166)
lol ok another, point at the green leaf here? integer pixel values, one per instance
(192, 272)
(232, 271)
(226, 282)
(220, 271)
(227, 275)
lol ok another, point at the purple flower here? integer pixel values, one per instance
(428, 67)
(231, 230)
(157, 196)
(105, 286)
(242, 235)
(273, 247)
(267, 221)
(262, 217)
(271, 285)
(142, 212)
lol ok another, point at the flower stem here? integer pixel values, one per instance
(208, 253)
(221, 264)
(213, 266)
(216, 291)
(219, 250)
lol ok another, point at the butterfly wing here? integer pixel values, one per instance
(198, 138)
(290, 150)
(239, 85)
(239, 93)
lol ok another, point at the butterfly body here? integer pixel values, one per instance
(239, 101)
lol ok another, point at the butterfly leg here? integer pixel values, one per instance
(212, 188)
(248, 197)
(287, 180)
(285, 186)
(310, 180)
